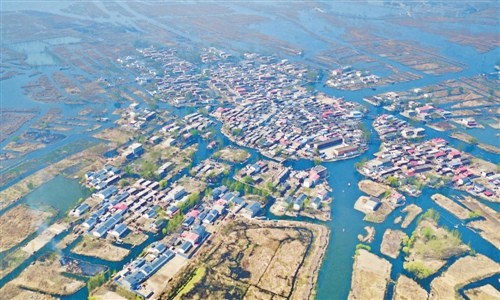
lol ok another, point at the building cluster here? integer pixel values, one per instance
(305, 189)
(304, 127)
(270, 109)
(350, 79)
(137, 117)
(433, 162)
(175, 80)
(390, 128)
(197, 225)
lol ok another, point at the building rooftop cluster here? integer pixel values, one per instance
(137, 117)
(197, 225)
(406, 164)
(304, 127)
(350, 79)
(271, 109)
(175, 79)
(390, 127)
(137, 207)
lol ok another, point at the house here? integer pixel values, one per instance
(80, 210)
(251, 210)
(211, 217)
(200, 231)
(372, 204)
(346, 150)
(315, 203)
(177, 193)
(397, 199)
(157, 248)
(90, 223)
(133, 280)
(193, 238)
(320, 145)
(299, 202)
(119, 230)
(188, 221)
(185, 247)
(172, 210)
(107, 192)
(107, 225)
(136, 149)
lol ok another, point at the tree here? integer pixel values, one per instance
(237, 131)
(393, 181)
(317, 161)
(248, 179)
(128, 170)
(96, 281)
(163, 183)
(148, 170)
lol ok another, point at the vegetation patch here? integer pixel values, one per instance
(430, 246)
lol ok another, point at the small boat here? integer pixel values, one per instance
(212, 145)
(348, 184)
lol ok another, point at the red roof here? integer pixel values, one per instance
(121, 206)
(221, 202)
(194, 213)
(191, 237)
(440, 153)
(488, 193)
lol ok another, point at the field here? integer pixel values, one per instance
(45, 276)
(11, 291)
(372, 188)
(391, 242)
(370, 276)
(250, 258)
(408, 289)
(463, 271)
(451, 206)
(100, 248)
(18, 223)
(484, 292)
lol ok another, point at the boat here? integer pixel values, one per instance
(212, 145)
(348, 184)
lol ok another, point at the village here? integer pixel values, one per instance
(410, 166)
(268, 104)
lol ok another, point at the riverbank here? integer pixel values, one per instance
(412, 211)
(46, 276)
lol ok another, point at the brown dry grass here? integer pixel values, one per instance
(466, 269)
(18, 223)
(45, 276)
(370, 276)
(102, 249)
(408, 289)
